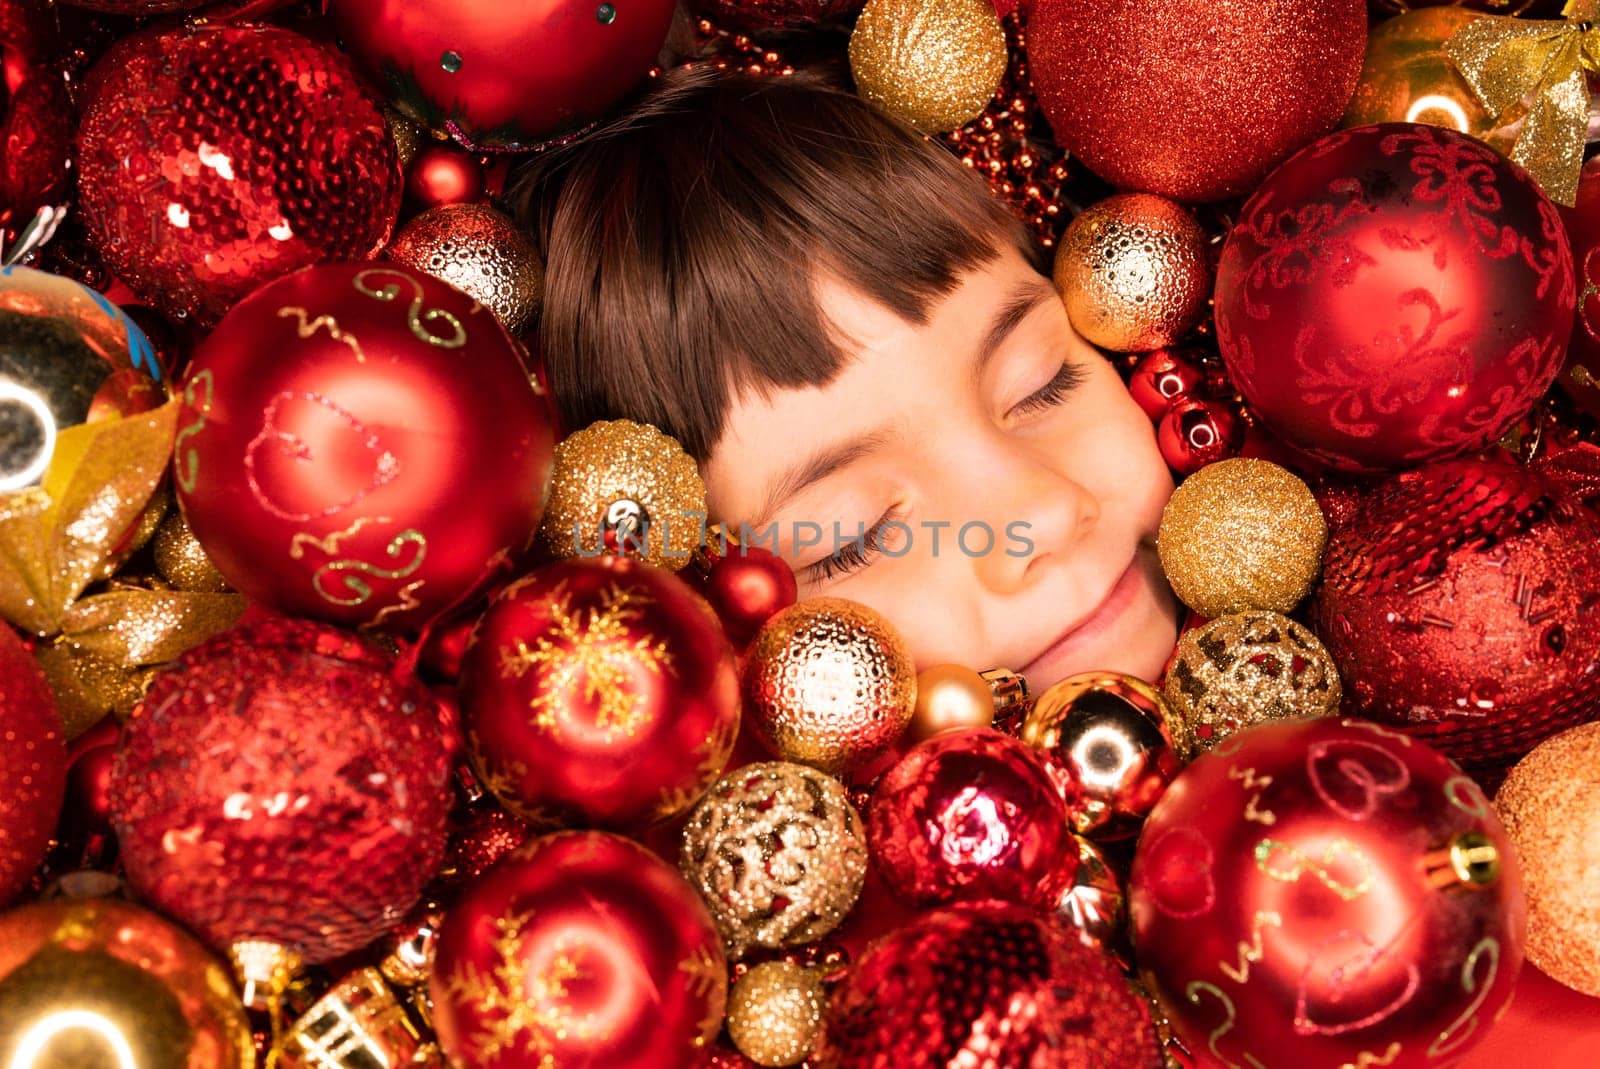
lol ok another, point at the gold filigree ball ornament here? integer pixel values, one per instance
(1241, 535)
(829, 682)
(480, 252)
(777, 852)
(1134, 272)
(775, 1013)
(933, 64)
(1238, 670)
(624, 488)
(182, 561)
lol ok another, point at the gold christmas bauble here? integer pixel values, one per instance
(481, 253)
(950, 697)
(775, 1013)
(934, 64)
(1406, 76)
(1242, 535)
(181, 560)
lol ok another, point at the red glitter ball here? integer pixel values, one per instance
(33, 764)
(489, 835)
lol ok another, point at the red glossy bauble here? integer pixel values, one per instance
(1195, 432)
(33, 764)
(1140, 89)
(213, 158)
(599, 691)
(362, 444)
(1394, 294)
(1461, 604)
(442, 173)
(279, 783)
(746, 588)
(785, 14)
(36, 127)
(991, 986)
(583, 950)
(504, 75)
(967, 815)
(1323, 892)
(1580, 378)
(1164, 377)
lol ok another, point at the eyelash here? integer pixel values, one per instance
(1052, 393)
(854, 554)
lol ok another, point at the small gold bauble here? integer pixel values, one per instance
(775, 1013)
(1241, 669)
(949, 697)
(1133, 272)
(480, 252)
(181, 560)
(828, 682)
(1407, 77)
(1242, 534)
(934, 64)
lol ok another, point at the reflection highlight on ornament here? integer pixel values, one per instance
(1439, 110)
(974, 830)
(47, 1029)
(14, 396)
(1104, 757)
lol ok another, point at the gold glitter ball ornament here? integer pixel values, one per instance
(1550, 805)
(1241, 535)
(1242, 669)
(623, 488)
(480, 252)
(934, 64)
(1133, 272)
(775, 1013)
(777, 852)
(181, 560)
(828, 682)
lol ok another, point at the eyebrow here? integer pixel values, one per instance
(1023, 300)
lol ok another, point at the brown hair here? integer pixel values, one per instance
(681, 243)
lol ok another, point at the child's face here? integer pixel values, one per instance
(1038, 446)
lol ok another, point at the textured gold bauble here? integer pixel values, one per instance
(481, 253)
(1133, 272)
(181, 560)
(619, 468)
(1242, 669)
(1406, 76)
(775, 1013)
(1242, 534)
(934, 64)
(1550, 804)
(950, 697)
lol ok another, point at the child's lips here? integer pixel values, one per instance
(1089, 628)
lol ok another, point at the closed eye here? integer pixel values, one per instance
(1054, 392)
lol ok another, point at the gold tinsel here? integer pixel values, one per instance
(775, 1013)
(931, 63)
(182, 561)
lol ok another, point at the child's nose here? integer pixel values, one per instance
(1040, 516)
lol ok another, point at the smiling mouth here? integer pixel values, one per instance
(1100, 618)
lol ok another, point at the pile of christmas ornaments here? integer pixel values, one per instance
(327, 745)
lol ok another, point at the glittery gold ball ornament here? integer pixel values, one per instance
(777, 852)
(1550, 805)
(1133, 272)
(949, 697)
(1241, 669)
(1242, 534)
(828, 682)
(932, 63)
(624, 488)
(181, 560)
(480, 252)
(775, 1013)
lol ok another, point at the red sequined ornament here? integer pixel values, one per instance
(1461, 604)
(785, 14)
(33, 764)
(443, 174)
(280, 784)
(582, 950)
(1327, 892)
(213, 158)
(1580, 378)
(986, 986)
(362, 444)
(599, 691)
(1394, 294)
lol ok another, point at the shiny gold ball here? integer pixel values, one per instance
(950, 697)
(623, 487)
(1133, 272)
(1550, 804)
(1242, 669)
(934, 64)
(182, 562)
(1242, 535)
(1093, 903)
(775, 1013)
(777, 852)
(1407, 77)
(481, 253)
(828, 682)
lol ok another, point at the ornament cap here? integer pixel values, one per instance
(264, 969)
(1469, 861)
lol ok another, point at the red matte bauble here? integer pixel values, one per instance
(1461, 604)
(1394, 294)
(504, 75)
(442, 173)
(1163, 377)
(1143, 91)
(1327, 892)
(967, 815)
(213, 158)
(599, 691)
(33, 764)
(987, 985)
(1196, 432)
(362, 443)
(746, 588)
(784, 14)
(1580, 378)
(581, 950)
(279, 783)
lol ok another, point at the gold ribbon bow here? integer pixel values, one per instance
(1536, 72)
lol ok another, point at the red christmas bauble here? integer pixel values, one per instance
(1394, 294)
(213, 158)
(442, 173)
(33, 764)
(504, 75)
(1196, 432)
(1314, 889)
(986, 984)
(362, 444)
(599, 691)
(36, 126)
(1139, 89)
(1164, 377)
(747, 587)
(1580, 378)
(583, 950)
(1461, 604)
(279, 783)
(784, 14)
